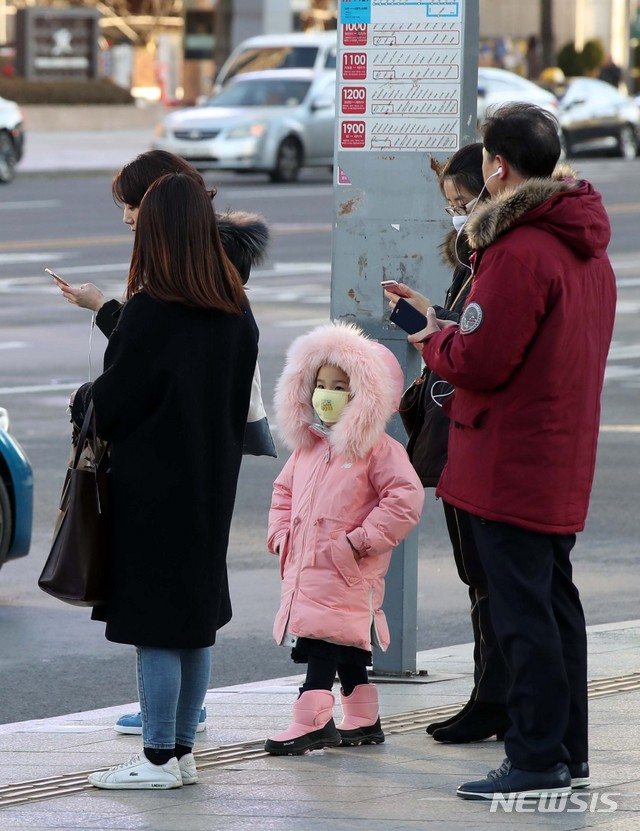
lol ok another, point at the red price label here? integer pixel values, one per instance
(354, 34)
(352, 134)
(354, 100)
(354, 66)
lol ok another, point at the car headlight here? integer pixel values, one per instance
(4, 420)
(253, 130)
(160, 131)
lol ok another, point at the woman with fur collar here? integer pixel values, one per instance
(344, 500)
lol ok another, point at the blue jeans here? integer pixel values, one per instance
(172, 684)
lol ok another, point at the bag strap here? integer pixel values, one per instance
(89, 422)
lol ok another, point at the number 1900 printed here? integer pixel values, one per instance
(353, 134)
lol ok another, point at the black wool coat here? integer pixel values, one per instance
(173, 401)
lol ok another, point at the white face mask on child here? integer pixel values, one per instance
(329, 404)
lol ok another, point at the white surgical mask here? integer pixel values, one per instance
(459, 221)
(329, 404)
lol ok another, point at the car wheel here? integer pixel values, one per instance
(7, 158)
(288, 162)
(6, 522)
(627, 144)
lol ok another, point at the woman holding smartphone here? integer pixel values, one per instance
(485, 714)
(172, 401)
(244, 236)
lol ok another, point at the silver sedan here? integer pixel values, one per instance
(276, 122)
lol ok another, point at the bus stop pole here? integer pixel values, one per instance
(406, 95)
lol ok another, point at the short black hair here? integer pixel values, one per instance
(526, 135)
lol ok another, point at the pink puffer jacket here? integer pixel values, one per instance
(354, 484)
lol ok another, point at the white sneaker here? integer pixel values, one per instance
(139, 773)
(188, 769)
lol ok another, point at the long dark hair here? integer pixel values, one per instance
(464, 169)
(131, 183)
(177, 254)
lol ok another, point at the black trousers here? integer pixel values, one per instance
(539, 624)
(490, 674)
(321, 673)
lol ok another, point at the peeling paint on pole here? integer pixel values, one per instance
(406, 100)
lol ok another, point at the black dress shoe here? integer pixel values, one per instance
(436, 725)
(481, 721)
(554, 781)
(579, 775)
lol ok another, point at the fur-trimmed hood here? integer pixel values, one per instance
(376, 383)
(568, 208)
(245, 239)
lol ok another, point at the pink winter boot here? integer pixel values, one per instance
(361, 721)
(312, 726)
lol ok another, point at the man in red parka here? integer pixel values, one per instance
(527, 360)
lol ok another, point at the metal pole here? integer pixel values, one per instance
(406, 100)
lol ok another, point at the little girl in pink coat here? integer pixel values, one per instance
(345, 498)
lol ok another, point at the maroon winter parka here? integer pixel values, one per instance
(528, 357)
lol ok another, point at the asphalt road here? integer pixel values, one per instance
(54, 659)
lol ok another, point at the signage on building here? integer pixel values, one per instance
(57, 44)
(199, 38)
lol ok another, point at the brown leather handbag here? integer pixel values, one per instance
(76, 568)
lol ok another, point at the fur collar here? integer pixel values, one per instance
(245, 239)
(376, 382)
(497, 215)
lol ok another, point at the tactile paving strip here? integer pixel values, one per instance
(56, 786)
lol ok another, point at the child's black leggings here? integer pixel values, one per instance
(321, 673)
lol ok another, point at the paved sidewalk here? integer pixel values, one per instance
(407, 783)
(82, 151)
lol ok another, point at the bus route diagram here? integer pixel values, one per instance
(399, 77)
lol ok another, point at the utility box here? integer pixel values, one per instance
(57, 44)
(406, 101)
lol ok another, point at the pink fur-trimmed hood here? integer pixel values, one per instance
(376, 382)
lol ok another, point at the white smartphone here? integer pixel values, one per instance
(57, 277)
(385, 283)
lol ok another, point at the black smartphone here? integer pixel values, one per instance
(407, 317)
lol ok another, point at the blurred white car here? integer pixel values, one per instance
(294, 50)
(595, 116)
(276, 122)
(498, 86)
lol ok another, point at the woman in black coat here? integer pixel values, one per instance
(172, 401)
(485, 713)
(244, 238)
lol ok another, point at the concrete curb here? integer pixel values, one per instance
(46, 118)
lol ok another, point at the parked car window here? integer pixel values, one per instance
(274, 57)
(262, 93)
(330, 62)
